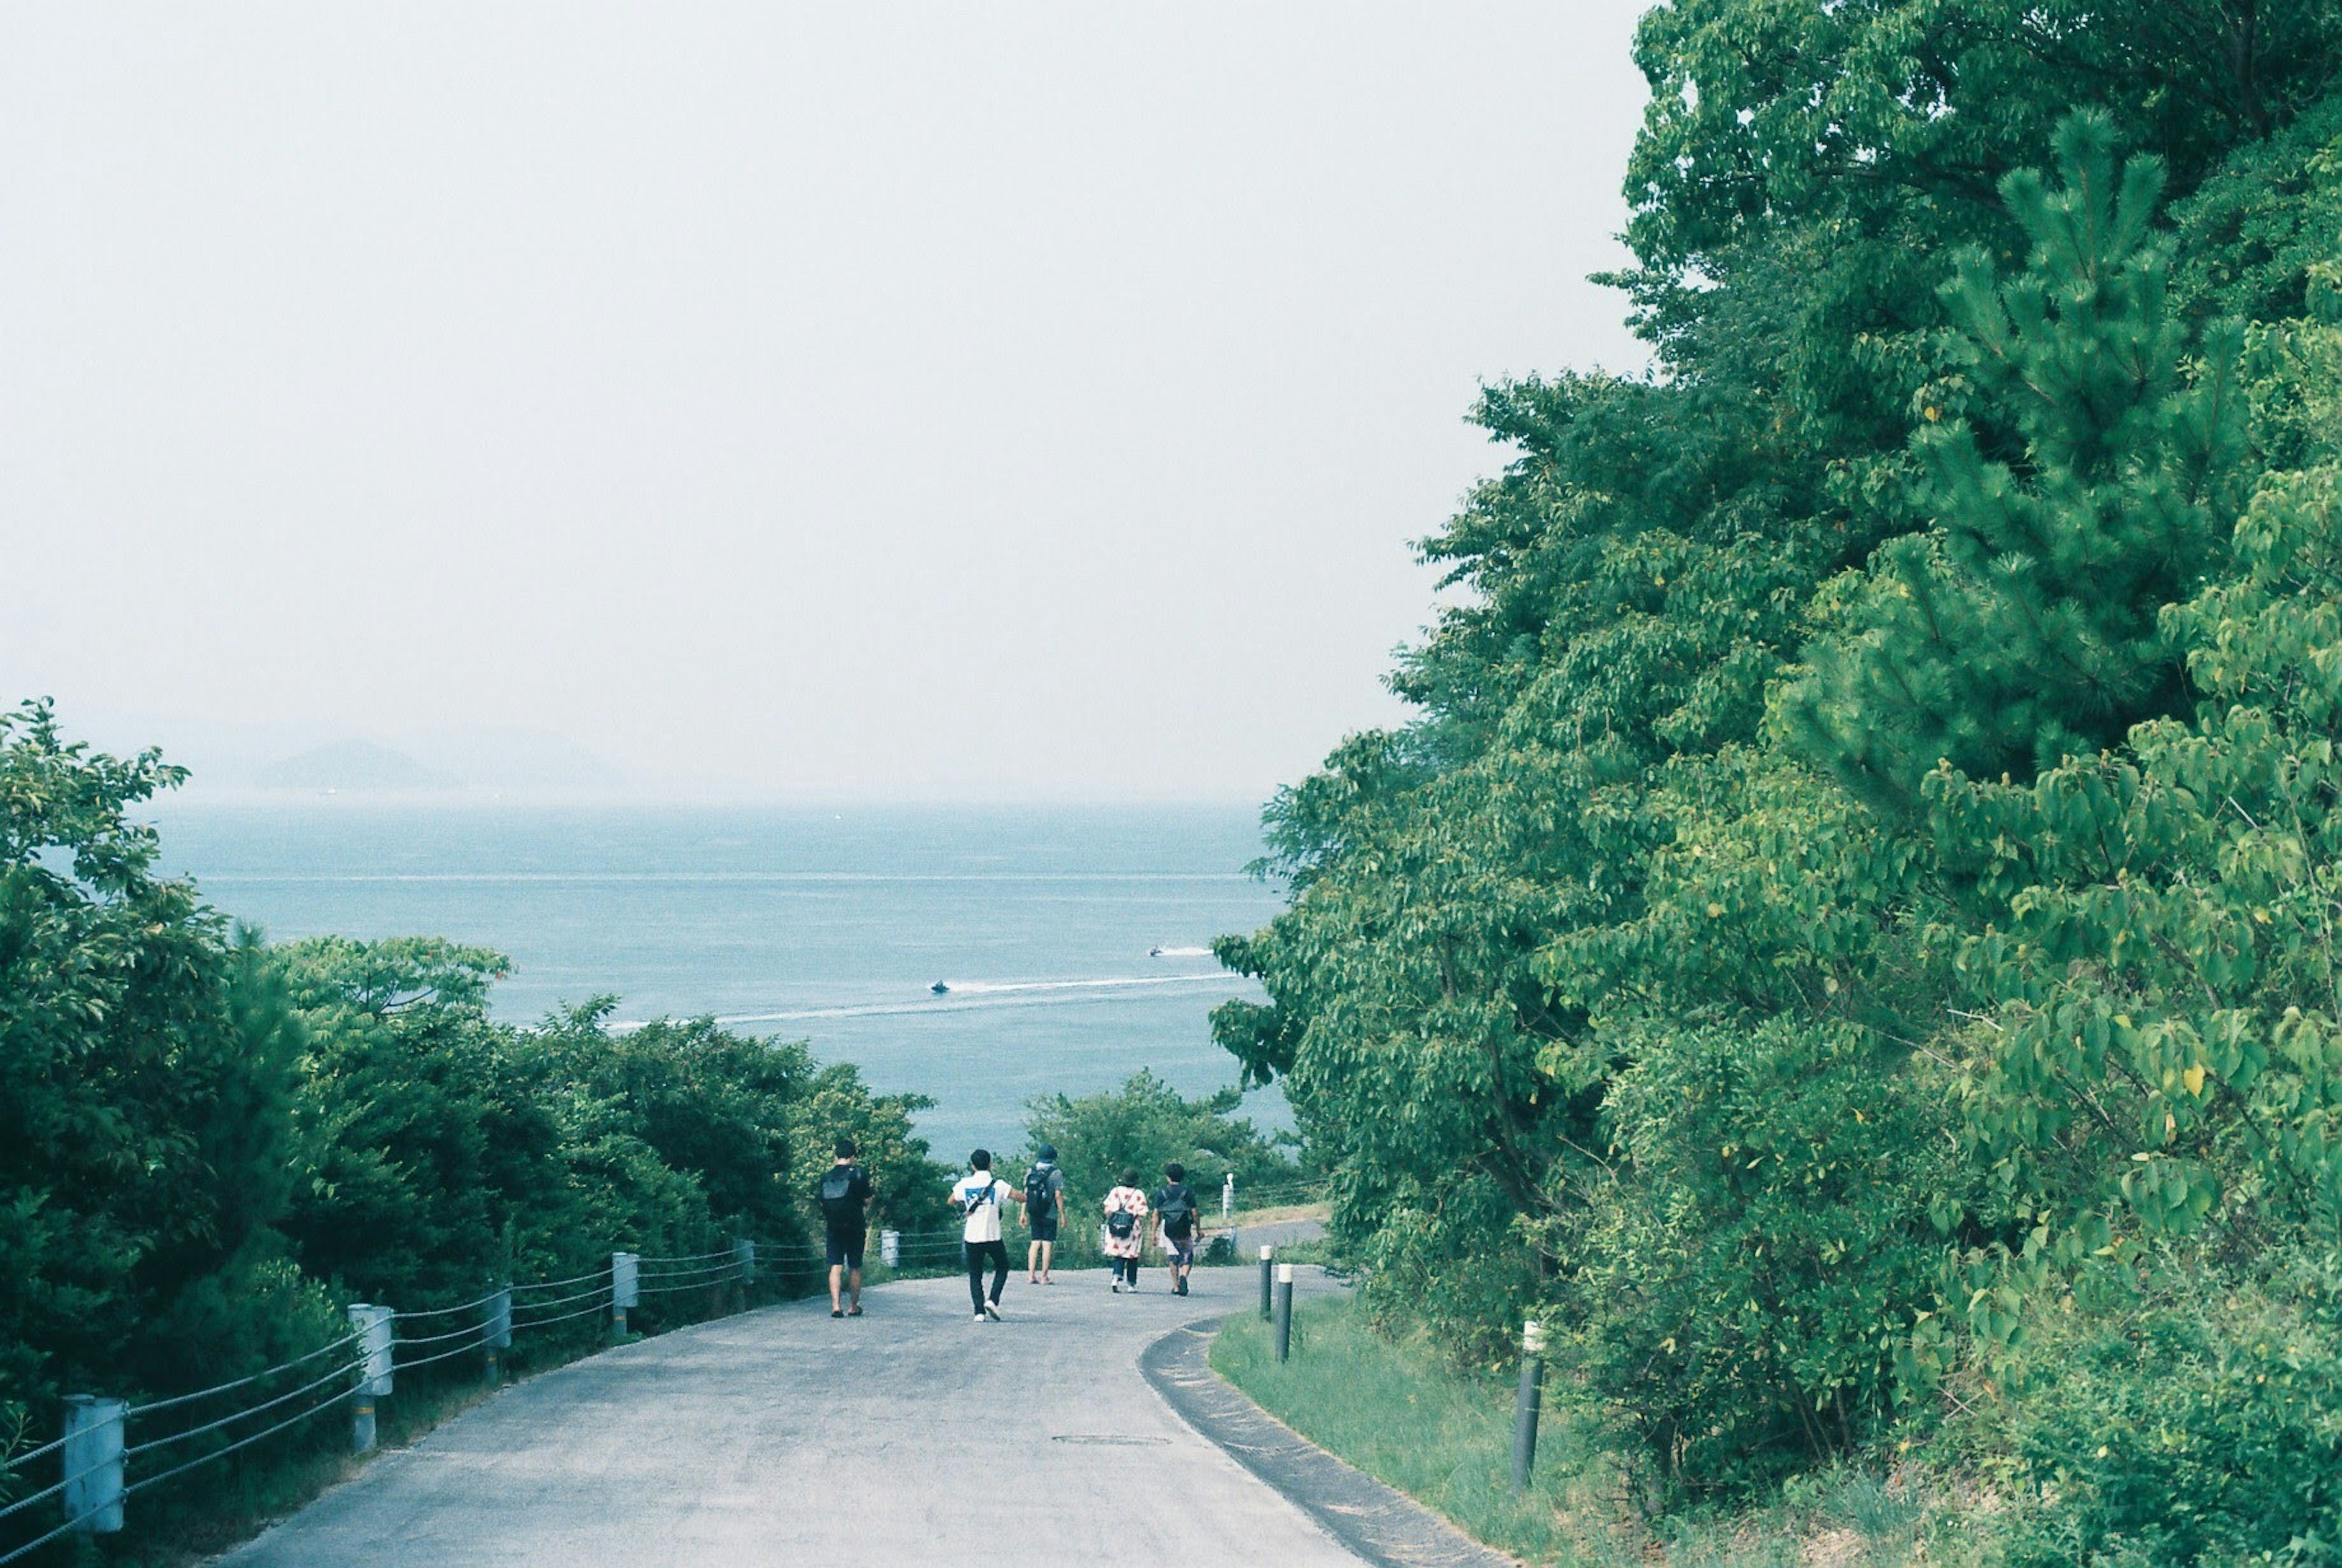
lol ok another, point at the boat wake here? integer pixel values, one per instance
(974, 995)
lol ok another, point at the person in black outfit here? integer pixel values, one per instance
(844, 1192)
(1176, 1219)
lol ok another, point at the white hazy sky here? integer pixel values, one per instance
(820, 401)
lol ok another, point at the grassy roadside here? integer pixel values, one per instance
(1399, 1413)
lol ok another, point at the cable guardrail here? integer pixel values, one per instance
(100, 1468)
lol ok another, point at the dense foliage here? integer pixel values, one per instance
(209, 1146)
(1147, 1124)
(1849, 930)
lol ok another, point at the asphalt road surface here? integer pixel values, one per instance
(909, 1435)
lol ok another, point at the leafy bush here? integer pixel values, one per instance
(1146, 1124)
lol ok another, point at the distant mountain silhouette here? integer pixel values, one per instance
(513, 757)
(354, 765)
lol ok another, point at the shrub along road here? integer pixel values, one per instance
(910, 1434)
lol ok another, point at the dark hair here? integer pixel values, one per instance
(1176, 1171)
(980, 1161)
(1130, 1175)
(846, 1148)
(1046, 1152)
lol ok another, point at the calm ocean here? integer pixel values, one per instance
(824, 926)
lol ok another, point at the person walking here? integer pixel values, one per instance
(979, 1196)
(844, 1191)
(1126, 1230)
(1175, 1214)
(1045, 1210)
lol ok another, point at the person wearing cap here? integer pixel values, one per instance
(1045, 1210)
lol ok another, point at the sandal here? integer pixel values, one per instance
(854, 1313)
(834, 1312)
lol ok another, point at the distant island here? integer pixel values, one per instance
(354, 765)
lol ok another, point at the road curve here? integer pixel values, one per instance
(909, 1435)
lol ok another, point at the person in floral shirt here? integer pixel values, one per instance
(1126, 1230)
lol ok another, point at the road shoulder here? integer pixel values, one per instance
(1380, 1524)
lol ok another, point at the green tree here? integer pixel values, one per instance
(2024, 627)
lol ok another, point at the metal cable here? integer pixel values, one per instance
(560, 1301)
(30, 1455)
(670, 1290)
(708, 1272)
(74, 1524)
(444, 1311)
(153, 1443)
(54, 1487)
(326, 1403)
(49, 1490)
(549, 1322)
(436, 1338)
(573, 1279)
(152, 1405)
(442, 1355)
(684, 1257)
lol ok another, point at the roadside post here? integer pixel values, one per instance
(1268, 1258)
(93, 1463)
(498, 1337)
(375, 1373)
(1283, 1311)
(890, 1248)
(1526, 1403)
(744, 1270)
(1228, 1200)
(625, 1282)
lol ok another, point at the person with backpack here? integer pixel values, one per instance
(979, 1196)
(1176, 1217)
(1045, 1209)
(843, 1192)
(1124, 1233)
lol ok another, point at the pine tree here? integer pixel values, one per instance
(2023, 627)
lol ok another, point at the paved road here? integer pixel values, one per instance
(909, 1435)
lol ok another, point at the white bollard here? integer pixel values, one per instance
(93, 1463)
(890, 1248)
(626, 1288)
(373, 1322)
(375, 1373)
(497, 1339)
(1228, 1199)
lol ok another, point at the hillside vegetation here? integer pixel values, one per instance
(1848, 932)
(209, 1146)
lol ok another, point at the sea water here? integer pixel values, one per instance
(825, 926)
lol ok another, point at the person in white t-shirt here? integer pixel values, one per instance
(979, 1196)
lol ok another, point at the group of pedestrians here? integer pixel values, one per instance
(1170, 1218)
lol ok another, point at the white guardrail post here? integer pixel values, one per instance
(374, 1376)
(626, 1289)
(890, 1248)
(497, 1339)
(93, 1463)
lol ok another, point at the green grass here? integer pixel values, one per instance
(1395, 1411)
(1398, 1411)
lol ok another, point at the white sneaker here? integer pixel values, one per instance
(1117, 1287)
(979, 1317)
(992, 1312)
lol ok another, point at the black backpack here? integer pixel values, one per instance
(1174, 1205)
(838, 1203)
(1122, 1225)
(1039, 1201)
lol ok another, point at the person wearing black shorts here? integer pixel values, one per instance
(1175, 1220)
(844, 1191)
(1045, 1210)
